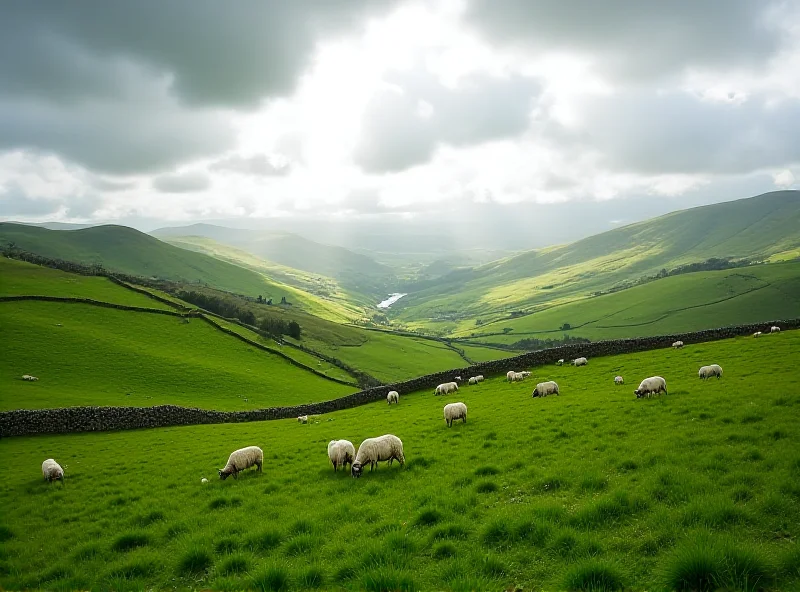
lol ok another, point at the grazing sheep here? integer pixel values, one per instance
(242, 459)
(580, 362)
(677, 344)
(479, 377)
(454, 411)
(341, 453)
(774, 329)
(302, 418)
(757, 334)
(510, 375)
(525, 374)
(560, 362)
(651, 386)
(52, 471)
(473, 380)
(709, 371)
(29, 377)
(518, 377)
(545, 388)
(446, 388)
(619, 380)
(374, 450)
(392, 397)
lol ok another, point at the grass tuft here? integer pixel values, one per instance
(594, 575)
(224, 502)
(386, 579)
(235, 564)
(6, 534)
(486, 471)
(300, 545)
(195, 560)
(311, 578)
(428, 517)
(486, 487)
(272, 579)
(265, 541)
(129, 541)
(444, 550)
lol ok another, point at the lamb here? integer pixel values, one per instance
(560, 362)
(709, 371)
(580, 362)
(52, 471)
(619, 380)
(374, 450)
(302, 418)
(341, 453)
(757, 334)
(545, 388)
(651, 386)
(518, 377)
(446, 388)
(242, 459)
(774, 329)
(510, 375)
(29, 377)
(392, 397)
(677, 344)
(458, 379)
(455, 411)
(479, 377)
(473, 380)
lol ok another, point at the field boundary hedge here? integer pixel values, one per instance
(88, 419)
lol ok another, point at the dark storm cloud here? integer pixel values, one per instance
(258, 165)
(182, 183)
(404, 125)
(637, 38)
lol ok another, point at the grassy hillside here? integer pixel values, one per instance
(100, 356)
(762, 227)
(357, 272)
(590, 486)
(689, 302)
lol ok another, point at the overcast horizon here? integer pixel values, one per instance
(155, 115)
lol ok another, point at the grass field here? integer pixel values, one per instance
(689, 302)
(101, 356)
(590, 490)
(18, 278)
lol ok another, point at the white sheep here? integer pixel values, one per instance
(454, 411)
(52, 471)
(392, 397)
(473, 380)
(242, 459)
(677, 344)
(29, 377)
(458, 379)
(545, 388)
(525, 374)
(757, 334)
(619, 380)
(341, 453)
(560, 362)
(651, 386)
(518, 377)
(709, 371)
(446, 388)
(374, 450)
(510, 375)
(580, 362)
(479, 377)
(302, 418)
(774, 329)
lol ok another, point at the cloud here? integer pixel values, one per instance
(638, 39)
(784, 178)
(258, 165)
(182, 182)
(14, 202)
(111, 185)
(404, 124)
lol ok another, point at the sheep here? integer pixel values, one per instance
(774, 329)
(473, 380)
(709, 371)
(458, 379)
(341, 453)
(757, 334)
(446, 388)
(651, 386)
(242, 459)
(580, 362)
(560, 362)
(510, 375)
(518, 377)
(302, 418)
(545, 388)
(392, 397)
(29, 377)
(677, 344)
(455, 411)
(525, 374)
(479, 377)
(52, 471)
(374, 450)
(619, 380)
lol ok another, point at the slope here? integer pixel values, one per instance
(528, 494)
(762, 227)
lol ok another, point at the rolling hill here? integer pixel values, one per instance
(763, 227)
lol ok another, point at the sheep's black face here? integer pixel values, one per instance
(638, 394)
(355, 470)
(222, 474)
(535, 392)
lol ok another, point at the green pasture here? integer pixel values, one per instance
(589, 490)
(88, 355)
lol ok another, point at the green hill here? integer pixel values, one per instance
(760, 228)
(589, 490)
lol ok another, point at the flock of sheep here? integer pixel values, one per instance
(389, 447)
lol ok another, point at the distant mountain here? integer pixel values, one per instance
(761, 227)
(352, 270)
(55, 225)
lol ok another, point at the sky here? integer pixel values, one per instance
(151, 113)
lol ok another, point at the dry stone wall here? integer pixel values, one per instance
(88, 419)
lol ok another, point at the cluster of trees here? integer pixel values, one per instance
(533, 344)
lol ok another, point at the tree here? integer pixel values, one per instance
(294, 330)
(565, 327)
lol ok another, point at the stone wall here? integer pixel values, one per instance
(83, 419)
